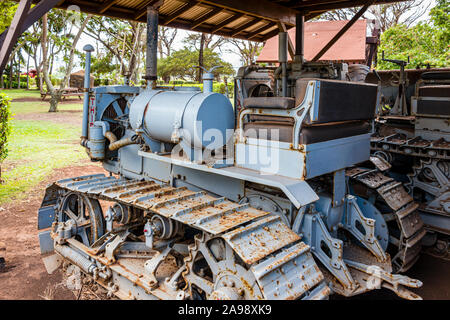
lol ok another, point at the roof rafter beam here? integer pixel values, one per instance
(261, 29)
(342, 31)
(244, 26)
(304, 4)
(227, 21)
(143, 10)
(106, 5)
(341, 5)
(206, 17)
(179, 12)
(262, 9)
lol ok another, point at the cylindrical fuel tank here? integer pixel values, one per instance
(197, 117)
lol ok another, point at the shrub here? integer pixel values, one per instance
(23, 84)
(5, 127)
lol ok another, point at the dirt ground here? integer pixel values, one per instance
(25, 276)
(70, 117)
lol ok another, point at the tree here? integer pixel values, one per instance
(210, 41)
(166, 37)
(123, 39)
(200, 42)
(181, 64)
(388, 15)
(64, 40)
(247, 50)
(427, 43)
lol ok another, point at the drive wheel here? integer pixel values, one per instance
(214, 272)
(85, 213)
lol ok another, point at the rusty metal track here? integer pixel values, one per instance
(260, 239)
(405, 212)
(417, 146)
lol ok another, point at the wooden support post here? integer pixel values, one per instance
(342, 31)
(31, 16)
(13, 32)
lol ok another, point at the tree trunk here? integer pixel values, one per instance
(54, 96)
(28, 72)
(65, 82)
(200, 58)
(10, 73)
(18, 72)
(38, 70)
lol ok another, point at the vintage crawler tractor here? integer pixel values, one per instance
(412, 139)
(194, 209)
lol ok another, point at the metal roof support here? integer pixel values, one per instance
(342, 31)
(291, 49)
(152, 44)
(283, 59)
(299, 37)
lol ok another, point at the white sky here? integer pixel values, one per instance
(226, 55)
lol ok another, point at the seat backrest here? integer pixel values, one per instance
(340, 100)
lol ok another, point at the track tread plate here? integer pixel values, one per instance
(279, 277)
(410, 220)
(373, 179)
(197, 209)
(260, 238)
(395, 195)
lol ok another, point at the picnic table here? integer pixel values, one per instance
(67, 92)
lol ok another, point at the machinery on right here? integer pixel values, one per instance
(412, 140)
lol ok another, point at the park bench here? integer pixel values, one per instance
(67, 92)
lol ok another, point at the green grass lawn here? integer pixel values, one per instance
(36, 106)
(36, 148)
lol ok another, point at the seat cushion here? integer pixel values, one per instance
(435, 91)
(436, 75)
(270, 102)
(309, 134)
(331, 131)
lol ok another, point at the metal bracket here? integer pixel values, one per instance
(354, 221)
(152, 265)
(394, 282)
(112, 247)
(327, 249)
(339, 188)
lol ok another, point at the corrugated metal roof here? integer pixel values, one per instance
(187, 14)
(350, 47)
(194, 13)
